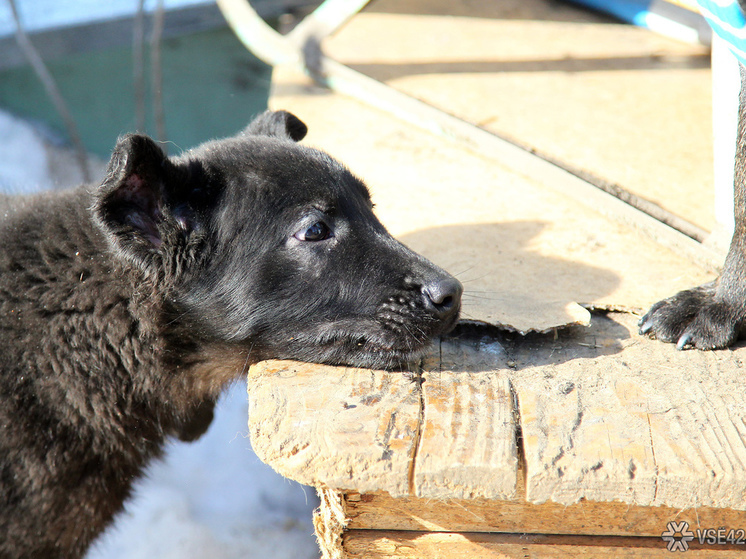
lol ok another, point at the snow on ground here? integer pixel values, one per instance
(214, 499)
(23, 159)
(211, 499)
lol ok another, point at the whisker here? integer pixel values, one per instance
(457, 274)
(467, 316)
(246, 364)
(474, 304)
(182, 315)
(472, 298)
(474, 279)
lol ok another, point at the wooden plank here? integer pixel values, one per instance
(442, 436)
(335, 427)
(374, 544)
(467, 447)
(649, 426)
(379, 511)
(604, 416)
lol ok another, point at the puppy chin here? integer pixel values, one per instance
(383, 360)
(363, 347)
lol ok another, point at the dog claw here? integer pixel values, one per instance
(684, 341)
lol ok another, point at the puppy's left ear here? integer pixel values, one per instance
(129, 203)
(280, 124)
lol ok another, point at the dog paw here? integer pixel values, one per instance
(694, 318)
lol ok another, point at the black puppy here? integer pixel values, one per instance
(713, 315)
(125, 310)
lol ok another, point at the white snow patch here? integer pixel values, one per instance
(23, 157)
(214, 499)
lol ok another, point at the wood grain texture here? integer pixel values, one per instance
(340, 428)
(593, 414)
(467, 448)
(375, 544)
(646, 425)
(379, 511)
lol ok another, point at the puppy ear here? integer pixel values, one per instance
(128, 205)
(280, 124)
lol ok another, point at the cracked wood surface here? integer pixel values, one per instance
(595, 414)
(632, 420)
(406, 434)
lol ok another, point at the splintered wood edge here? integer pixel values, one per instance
(575, 314)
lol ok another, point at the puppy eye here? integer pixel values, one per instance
(319, 231)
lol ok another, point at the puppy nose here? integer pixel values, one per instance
(443, 296)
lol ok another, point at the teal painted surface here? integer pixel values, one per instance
(212, 86)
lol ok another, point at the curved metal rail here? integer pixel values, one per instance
(274, 48)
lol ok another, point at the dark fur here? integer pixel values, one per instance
(125, 309)
(712, 316)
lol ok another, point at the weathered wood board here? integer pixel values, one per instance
(644, 423)
(344, 429)
(315, 427)
(380, 511)
(595, 414)
(361, 544)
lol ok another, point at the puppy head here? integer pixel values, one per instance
(272, 246)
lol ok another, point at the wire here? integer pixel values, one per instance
(34, 59)
(138, 65)
(157, 73)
